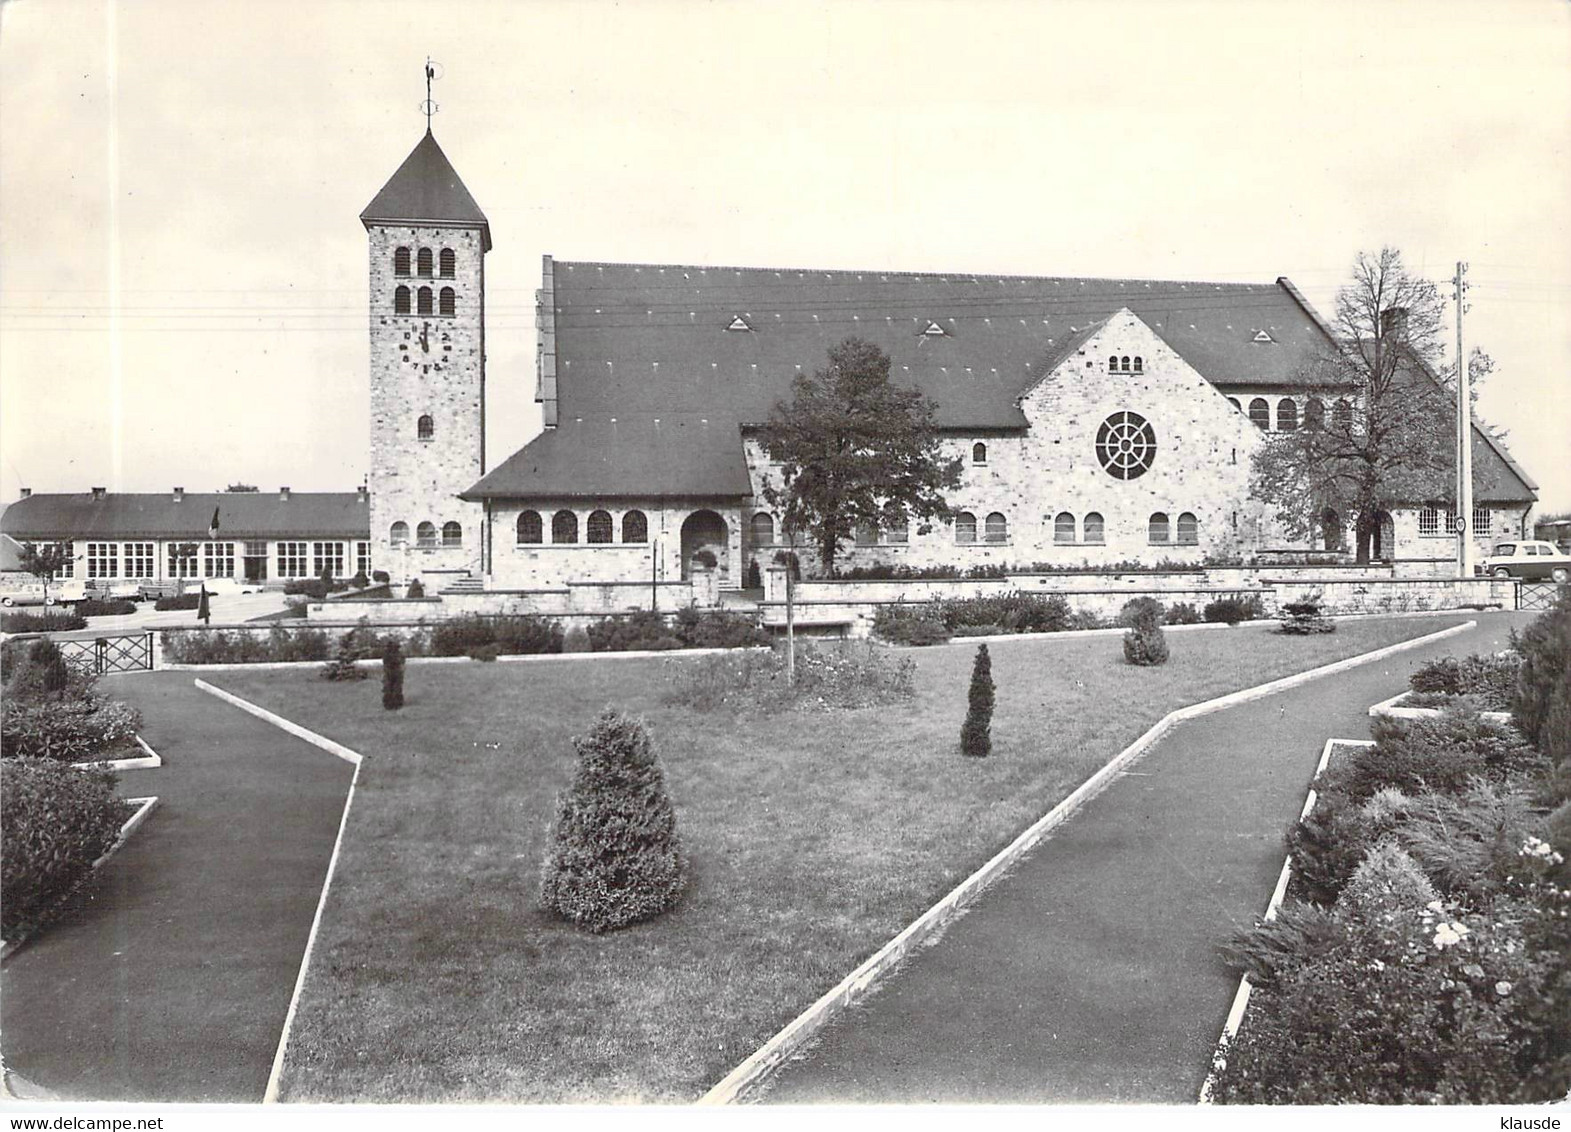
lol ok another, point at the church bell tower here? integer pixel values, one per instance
(428, 240)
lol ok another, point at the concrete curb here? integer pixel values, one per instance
(145, 762)
(777, 1049)
(144, 807)
(354, 758)
(1393, 709)
(1235, 1015)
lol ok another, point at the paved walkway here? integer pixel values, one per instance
(1091, 972)
(170, 978)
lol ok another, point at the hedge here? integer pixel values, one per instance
(41, 622)
(67, 728)
(57, 822)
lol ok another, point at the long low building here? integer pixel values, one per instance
(270, 537)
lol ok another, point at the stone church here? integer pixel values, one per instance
(1099, 421)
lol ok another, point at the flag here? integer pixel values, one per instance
(212, 529)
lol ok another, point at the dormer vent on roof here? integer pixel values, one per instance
(1262, 336)
(933, 330)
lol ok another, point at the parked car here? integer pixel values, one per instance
(152, 591)
(73, 590)
(28, 594)
(1528, 559)
(224, 586)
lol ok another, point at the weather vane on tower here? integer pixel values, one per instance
(433, 70)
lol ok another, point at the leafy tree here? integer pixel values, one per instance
(855, 449)
(1386, 437)
(44, 561)
(976, 734)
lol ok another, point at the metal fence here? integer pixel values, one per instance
(1538, 596)
(122, 652)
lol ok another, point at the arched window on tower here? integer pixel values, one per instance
(1158, 530)
(448, 262)
(1112, 363)
(1188, 529)
(452, 534)
(425, 428)
(599, 528)
(449, 302)
(529, 528)
(1123, 364)
(1287, 415)
(763, 529)
(1342, 414)
(425, 534)
(401, 301)
(635, 527)
(979, 453)
(424, 262)
(1260, 413)
(398, 535)
(401, 261)
(1234, 402)
(1140, 364)
(1314, 413)
(1064, 527)
(564, 527)
(1094, 531)
(965, 528)
(997, 529)
(424, 300)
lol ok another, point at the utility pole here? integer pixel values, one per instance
(1464, 436)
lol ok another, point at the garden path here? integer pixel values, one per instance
(1091, 972)
(170, 976)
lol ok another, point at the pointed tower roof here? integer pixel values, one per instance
(427, 190)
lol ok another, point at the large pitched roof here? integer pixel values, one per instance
(646, 338)
(646, 456)
(426, 189)
(115, 515)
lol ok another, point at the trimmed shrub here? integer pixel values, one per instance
(1182, 613)
(40, 670)
(344, 666)
(381, 577)
(316, 589)
(577, 639)
(1145, 646)
(1489, 680)
(910, 624)
(1541, 703)
(1140, 612)
(1304, 617)
(976, 737)
(359, 581)
(485, 652)
(41, 622)
(512, 634)
(1469, 844)
(57, 821)
(178, 602)
(615, 857)
(706, 558)
(110, 607)
(1387, 880)
(392, 674)
(755, 576)
(1439, 755)
(1232, 610)
(415, 589)
(1013, 612)
(221, 646)
(718, 629)
(66, 729)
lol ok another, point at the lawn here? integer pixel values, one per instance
(813, 837)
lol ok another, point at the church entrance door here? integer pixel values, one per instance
(705, 530)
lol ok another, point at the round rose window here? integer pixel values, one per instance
(1126, 445)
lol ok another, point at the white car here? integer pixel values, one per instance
(217, 586)
(1528, 559)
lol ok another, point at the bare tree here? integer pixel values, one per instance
(1379, 429)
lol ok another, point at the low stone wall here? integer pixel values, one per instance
(597, 598)
(1341, 597)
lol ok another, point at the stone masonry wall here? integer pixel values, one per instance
(426, 365)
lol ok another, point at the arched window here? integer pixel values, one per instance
(1064, 527)
(398, 535)
(1093, 527)
(425, 428)
(401, 301)
(1428, 521)
(423, 300)
(564, 527)
(1260, 413)
(763, 529)
(965, 528)
(1112, 363)
(401, 261)
(1188, 529)
(425, 263)
(1314, 413)
(1140, 364)
(1158, 529)
(1234, 402)
(447, 302)
(425, 534)
(529, 527)
(979, 453)
(1287, 415)
(448, 261)
(866, 534)
(635, 527)
(898, 530)
(1123, 364)
(1342, 414)
(452, 534)
(997, 529)
(599, 528)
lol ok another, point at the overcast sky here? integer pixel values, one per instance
(184, 275)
